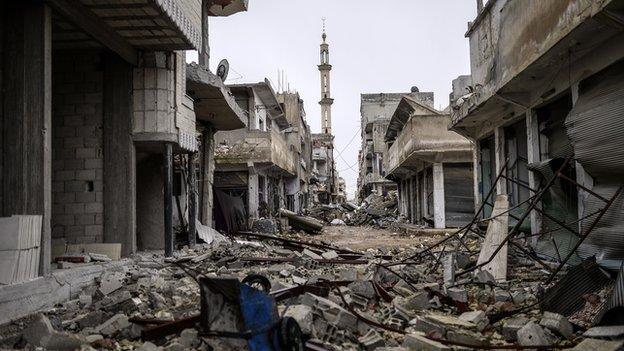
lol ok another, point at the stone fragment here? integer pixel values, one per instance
(450, 321)
(418, 342)
(303, 315)
(511, 327)
(484, 276)
(458, 294)
(605, 332)
(531, 334)
(330, 255)
(175, 346)
(311, 254)
(91, 319)
(428, 327)
(599, 345)
(85, 300)
(113, 325)
(408, 306)
(189, 338)
(333, 313)
(478, 318)
(558, 324)
(465, 337)
(111, 281)
(449, 269)
(39, 331)
(148, 346)
(93, 338)
(363, 288)
(371, 340)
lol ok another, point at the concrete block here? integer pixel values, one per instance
(512, 325)
(303, 315)
(39, 331)
(113, 325)
(330, 255)
(88, 174)
(449, 269)
(189, 338)
(111, 281)
(428, 327)
(311, 254)
(531, 334)
(85, 153)
(599, 345)
(557, 324)
(458, 294)
(418, 342)
(85, 197)
(408, 306)
(84, 219)
(95, 207)
(605, 332)
(363, 288)
(74, 208)
(371, 340)
(478, 318)
(94, 163)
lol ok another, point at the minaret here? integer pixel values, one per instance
(326, 100)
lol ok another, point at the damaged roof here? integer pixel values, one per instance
(406, 108)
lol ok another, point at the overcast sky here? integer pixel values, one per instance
(375, 46)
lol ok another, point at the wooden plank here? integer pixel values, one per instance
(81, 16)
(495, 235)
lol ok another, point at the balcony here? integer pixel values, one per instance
(258, 147)
(518, 53)
(420, 136)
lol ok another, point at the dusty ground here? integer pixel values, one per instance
(362, 238)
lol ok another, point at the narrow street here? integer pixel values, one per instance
(279, 175)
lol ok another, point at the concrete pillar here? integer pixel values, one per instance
(192, 199)
(423, 196)
(439, 215)
(416, 196)
(476, 175)
(26, 171)
(252, 193)
(533, 152)
(499, 151)
(119, 156)
(207, 175)
(168, 198)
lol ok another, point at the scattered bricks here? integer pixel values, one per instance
(113, 325)
(449, 269)
(531, 334)
(511, 327)
(601, 345)
(558, 324)
(303, 315)
(458, 294)
(330, 255)
(418, 341)
(371, 340)
(111, 281)
(477, 318)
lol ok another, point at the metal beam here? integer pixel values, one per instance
(86, 20)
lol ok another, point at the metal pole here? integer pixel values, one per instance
(192, 201)
(168, 200)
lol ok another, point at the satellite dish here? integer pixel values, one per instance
(223, 69)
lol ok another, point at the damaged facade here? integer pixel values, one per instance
(546, 87)
(431, 165)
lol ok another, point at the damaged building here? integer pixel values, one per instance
(544, 99)
(256, 170)
(376, 111)
(431, 165)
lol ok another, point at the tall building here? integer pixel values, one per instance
(325, 177)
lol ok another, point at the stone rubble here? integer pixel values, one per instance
(408, 305)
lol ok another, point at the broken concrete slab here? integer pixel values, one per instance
(512, 325)
(113, 325)
(531, 334)
(478, 318)
(111, 281)
(557, 324)
(599, 345)
(612, 332)
(372, 340)
(419, 342)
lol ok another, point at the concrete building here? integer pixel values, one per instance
(254, 165)
(325, 177)
(431, 165)
(299, 140)
(547, 83)
(375, 112)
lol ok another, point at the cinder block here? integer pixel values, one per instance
(64, 175)
(70, 142)
(95, 207)
(61, 198)
(63, 220)
(74, 208)
(86, 131)
(88, 174)
(85, 197)
(86, 153)
(92, 142)
(94, 163)
(99, 218)
(73, 164)
(84, 219)
(74, 186)
(94, 230)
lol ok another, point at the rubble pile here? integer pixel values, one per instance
(342, 300)
(376, 210)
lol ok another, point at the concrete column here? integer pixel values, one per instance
(192, 199)
(499, 150)
(119, 156)
(439, 215)
(423, 196)
(417, 200)
(207, 175)
(533, 150)
(168, 198)
(26, 171)
(252, 193)
(476, 175)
